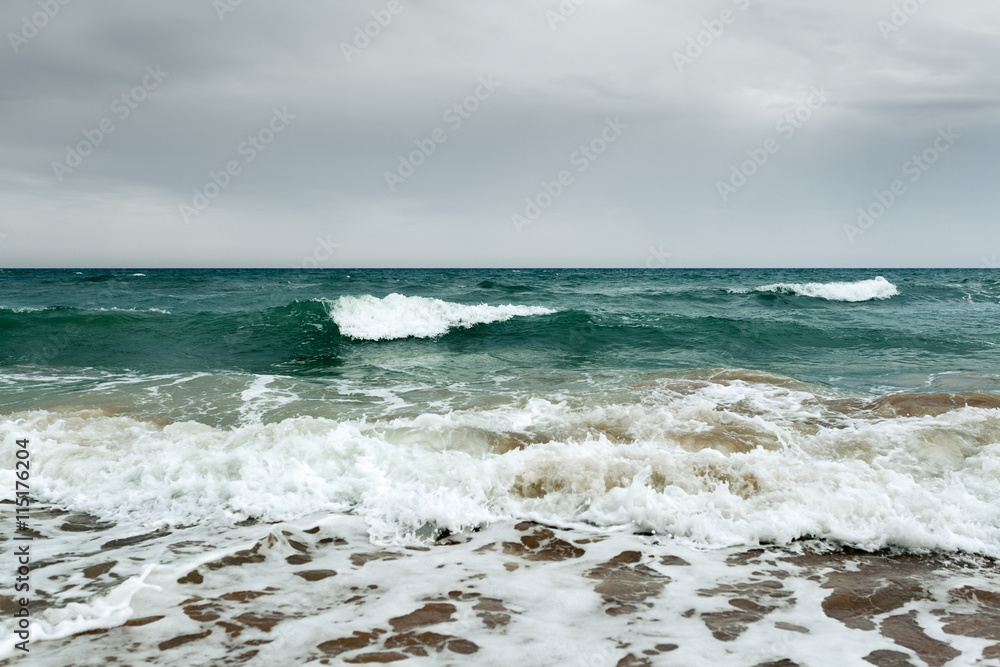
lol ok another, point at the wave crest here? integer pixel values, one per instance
(397, 316)
(862, 290)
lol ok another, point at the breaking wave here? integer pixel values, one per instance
(397, 316)
(711, 462)
(862, 290)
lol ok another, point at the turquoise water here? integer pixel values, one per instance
(228, 373)
(279, 322)
(349, 446)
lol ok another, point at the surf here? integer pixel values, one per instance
(396, 316)
(875, 289)
(712, 459)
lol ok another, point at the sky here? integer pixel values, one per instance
(513, 133)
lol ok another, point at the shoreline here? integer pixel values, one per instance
(318, 591)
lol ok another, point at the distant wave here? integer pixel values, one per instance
(22, 309)
(397, 316)
(73, 309)
(132, 310)
(862, 290)
(489, 284)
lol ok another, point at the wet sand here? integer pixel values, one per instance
(318, 591)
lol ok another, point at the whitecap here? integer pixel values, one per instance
(861, 290)
(397, 316)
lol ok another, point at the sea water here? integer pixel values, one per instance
(538, 467)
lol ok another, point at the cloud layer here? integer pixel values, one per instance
(754, 131)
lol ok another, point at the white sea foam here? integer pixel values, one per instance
(397, 316)
(729, 458)
(30, 309)
(259, 397)
(21, 309)
(685, 589)
(104, 612)
(862, 290)
(133, 310)
(727, 464)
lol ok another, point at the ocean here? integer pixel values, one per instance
(531, 467)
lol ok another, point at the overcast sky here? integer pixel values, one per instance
(642, 109)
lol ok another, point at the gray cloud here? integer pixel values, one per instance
(657, 185)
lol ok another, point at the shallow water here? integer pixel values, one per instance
(483, 467)
(317, 591)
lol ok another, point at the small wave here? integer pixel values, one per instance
(862, 290)
(397, 316)
(129, 310)
(57, 309)
(21, 309)
(489, 284)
